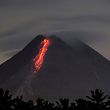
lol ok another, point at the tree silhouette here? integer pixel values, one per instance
(48, 106)
(97, 100)
(5, 100)
(39, 105)
(72, 106)
(63, 104)
(81, 104)
(108, 103)
(20, 104)
(30, 105)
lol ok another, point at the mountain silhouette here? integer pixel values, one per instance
(14, 64)
(67, 71)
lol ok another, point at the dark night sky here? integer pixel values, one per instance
(22, 20)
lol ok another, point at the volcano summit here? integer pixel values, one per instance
(64, 71)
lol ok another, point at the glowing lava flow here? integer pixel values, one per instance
(38, 60)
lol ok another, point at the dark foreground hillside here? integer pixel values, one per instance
(97, 100)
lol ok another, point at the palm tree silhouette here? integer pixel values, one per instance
(97, 100)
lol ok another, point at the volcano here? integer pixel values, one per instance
(65, 71)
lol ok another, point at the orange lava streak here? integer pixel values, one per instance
(38, 60)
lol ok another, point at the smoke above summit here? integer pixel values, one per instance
(23, 19)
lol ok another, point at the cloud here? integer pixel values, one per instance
(22, 20)
(5, 55)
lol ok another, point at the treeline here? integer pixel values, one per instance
(96, 101)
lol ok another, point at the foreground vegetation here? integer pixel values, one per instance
(96, 101)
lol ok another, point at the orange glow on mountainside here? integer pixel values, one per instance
(38, 60)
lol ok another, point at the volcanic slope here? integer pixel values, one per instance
(66, 71)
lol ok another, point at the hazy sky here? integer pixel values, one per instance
(22, 20)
